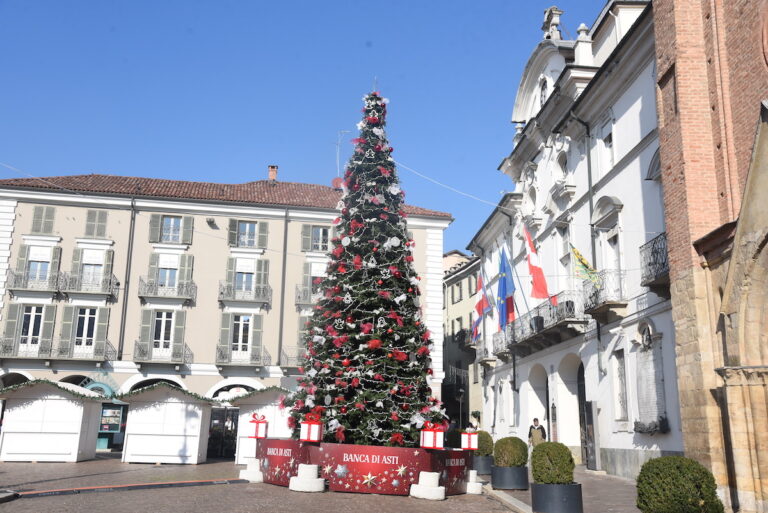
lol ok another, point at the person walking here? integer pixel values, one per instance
(536, 434)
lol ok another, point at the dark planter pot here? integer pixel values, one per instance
(509, 478)
(482, 464)
(556, 498)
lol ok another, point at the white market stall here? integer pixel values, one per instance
(166, 424)
(47, 421)
(265, 402)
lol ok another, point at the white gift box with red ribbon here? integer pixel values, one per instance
(260, 422)
(432, 436)
(311, 428)
(469, 441)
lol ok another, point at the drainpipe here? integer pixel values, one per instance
(282, 290)
(126, 289)
(591, 227)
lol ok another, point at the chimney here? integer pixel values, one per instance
(272, 173)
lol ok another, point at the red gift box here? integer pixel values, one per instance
(432, 436)
(311, 428)
(469, 441)
(261, 425)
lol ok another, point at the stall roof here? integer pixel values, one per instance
(68, 388)
(129, 396)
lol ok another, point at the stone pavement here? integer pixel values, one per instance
(231, 498)
(600, 493)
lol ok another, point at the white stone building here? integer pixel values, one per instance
(596, 364)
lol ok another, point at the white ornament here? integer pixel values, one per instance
(394, 189)
(381, 322)
(338, 324)
(347, 298)
(327, 400)
(369, 154)
(378, 131)
(339, 205)
(399, 299)
(386, 273)
(345, 241)
(372, 262)
(360, 125)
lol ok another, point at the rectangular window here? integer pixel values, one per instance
(92, 275)
(37, 270)
(246, 234)
(621, 386)
(607, 157)
(162, 334)
(456, 292)
(31, 324)
(171, 229)
(86, 327)
(320, 238)
(166, 277)
(241, 334)
(459, 324)
(565, 239)
(244, 281)
(472, 284)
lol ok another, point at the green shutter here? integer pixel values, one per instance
(109, 258)
(154, 258)
(77, 258)
(231, 272)
(306, 237)
(101, 224)
(145, 333)
(155, 220)
(21, 259)
(50, 214)
(67, 331)
(223, 354)
(90, 223)
(12, 323)
(262, 272)
(177, 349)
(187, 225)
(301, 338)
(263, 228)
(185, 268)
(46, 334)
(37, 219)
(53, 275)
(102, 324)
(232, 234)
(256, 345)
(307, 276)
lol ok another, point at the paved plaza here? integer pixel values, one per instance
(107, 470)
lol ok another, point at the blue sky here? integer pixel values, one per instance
(218, 90)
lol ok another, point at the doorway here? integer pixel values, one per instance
(586, 423)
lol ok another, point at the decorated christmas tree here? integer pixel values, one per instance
(367, 360)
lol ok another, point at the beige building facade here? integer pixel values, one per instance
(117, 282)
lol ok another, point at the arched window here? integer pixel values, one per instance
(542, 91)
(530, 201)
(562, 162)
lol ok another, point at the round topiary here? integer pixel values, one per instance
(674, 484)
(484, 444)
(510, 452)
(552, 463)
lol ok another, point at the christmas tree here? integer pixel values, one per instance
(367, 357)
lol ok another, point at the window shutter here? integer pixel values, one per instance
(145, 333)
(256, 345)
(155, 221)
(187, 225)
(109, 258)
(101, 224)
(50, 213)
(223, 354)
(90, 223)
(77, 258)
(185, 268)
(21, 260)
(67, 331)
(37, 219)
(46, 334)
(231, 272)
(263, 228)
(306, 237)
(53, 275)
(154, 258)
(102, 323)
(177, 350)
(232, 235)
(307, 276)
(303, 331)
(11, 323)
(262, 272)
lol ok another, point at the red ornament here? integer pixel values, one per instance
(343, 409)
(390, 330)
(345, 362)
(380, 282)
(374, 344)
(396, 438)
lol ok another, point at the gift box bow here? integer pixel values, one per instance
(432, 426)
(312, 418)
(258, 418)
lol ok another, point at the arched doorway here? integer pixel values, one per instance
(538, 403)
(586, 423)
(149, 382)
(12, 378)
(567, 430)
(222, 440)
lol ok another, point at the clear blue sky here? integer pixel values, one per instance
(217, 90)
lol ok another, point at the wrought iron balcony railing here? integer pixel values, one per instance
(547, 318)
(605, 291)
(154, 288)
(485, 352)
(56, 349)
(225, 356)
(107, 285)
(26, 347)
(24, 281)
(292, 356)
(144, 351)
(305, 296)
(254, 294)
(455, 375)
(654, 260)
(500, 344)
(95, 350)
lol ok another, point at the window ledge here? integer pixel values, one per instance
(170, 247)
(316, 254)
(41, 240)
(235, 250)
(86, 243)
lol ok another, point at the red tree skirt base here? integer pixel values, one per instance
(364, 468)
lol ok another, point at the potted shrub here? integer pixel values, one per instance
(509, 471)
(676, 484)
(483, 459)
(553, 489)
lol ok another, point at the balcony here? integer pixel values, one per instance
(500, 345)
(151, 288)
(36, 348)
(292, 356)
(225, 357)
(33, 348)
(305, 296)
(99, 351)
(654, 262)
(485, 354)
(145, 352)
(605, 298)
(547, 324)
(256, 294)
(21, 281)
(456, 376)
(107, 285)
